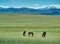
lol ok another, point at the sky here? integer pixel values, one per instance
(29, 3)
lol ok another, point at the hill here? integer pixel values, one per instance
(24, 10)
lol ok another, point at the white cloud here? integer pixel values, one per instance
(13, 2)
(57, 6)
(4, 6)
(36, 6)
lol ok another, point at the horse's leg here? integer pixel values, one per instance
(28, 34)
(32, 34)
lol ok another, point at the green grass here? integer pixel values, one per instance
(12, 27)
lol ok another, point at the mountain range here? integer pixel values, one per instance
(24, 10)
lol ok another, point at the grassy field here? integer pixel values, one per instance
(12, 27)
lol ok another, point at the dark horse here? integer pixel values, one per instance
(24, 33)
(44, 34)
(30, 33)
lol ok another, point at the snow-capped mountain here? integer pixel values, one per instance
(51, 10)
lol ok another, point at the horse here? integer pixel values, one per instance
(24, 33)
(30, 34)
(44, 34)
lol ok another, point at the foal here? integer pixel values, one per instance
(44, 34)
(30, 34)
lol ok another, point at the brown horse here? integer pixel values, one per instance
(44, 34)
(24, 33)
(30, 34)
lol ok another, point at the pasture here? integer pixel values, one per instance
(12, 27)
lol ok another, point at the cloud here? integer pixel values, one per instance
(44, 6)
(36, 6)
(13, 2)
(57, 6)
(4, 6)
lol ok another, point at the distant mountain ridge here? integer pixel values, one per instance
(47, 10)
